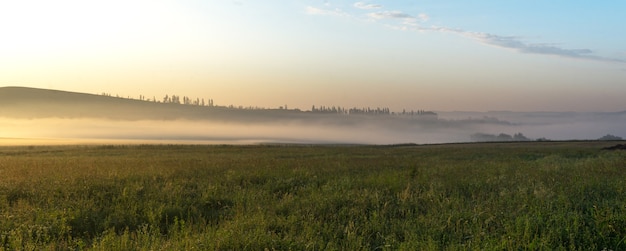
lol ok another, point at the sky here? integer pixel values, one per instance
(478, 55)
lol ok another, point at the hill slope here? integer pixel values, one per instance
(23, 102)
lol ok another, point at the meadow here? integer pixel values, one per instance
(487, 196)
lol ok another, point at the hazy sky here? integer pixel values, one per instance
(526, 55)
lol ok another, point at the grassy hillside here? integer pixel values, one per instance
(515, 196)
(22, 102)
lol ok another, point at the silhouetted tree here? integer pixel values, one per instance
(175, 99)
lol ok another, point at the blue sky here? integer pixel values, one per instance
(438, 55)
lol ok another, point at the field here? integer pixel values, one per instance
(495, 196)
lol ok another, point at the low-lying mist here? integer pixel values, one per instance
(205, 132)
(449, 128)
(40, 116)
(552, 125)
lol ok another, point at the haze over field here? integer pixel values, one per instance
(38, 116)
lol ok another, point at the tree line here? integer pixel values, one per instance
(174, 99)
(485, 137)
(170, 99)
(184, 100)
(368, 111)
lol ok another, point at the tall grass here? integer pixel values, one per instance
(530, 196)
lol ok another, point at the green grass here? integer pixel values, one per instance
(497, 196)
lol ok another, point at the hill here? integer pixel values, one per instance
(29, 103)
(23, 102)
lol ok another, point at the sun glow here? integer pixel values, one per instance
(54, 28)
(271, 53)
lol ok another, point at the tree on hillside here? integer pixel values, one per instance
(175, 99)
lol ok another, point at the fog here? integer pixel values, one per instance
(553, 125)
(448, 128)
(205, 132)
(40, 116)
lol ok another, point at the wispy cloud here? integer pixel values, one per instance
(423, 17)
(406, 18)
(389, 14)
(365, 6)
(325, 12)
(406, 21)
(517, 44)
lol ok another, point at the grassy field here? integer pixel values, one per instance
(495, 196)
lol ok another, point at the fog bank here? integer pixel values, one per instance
(448, 128)
(30, 115)
(206, 132)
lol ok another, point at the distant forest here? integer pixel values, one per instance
(184, 100)
(485, 137)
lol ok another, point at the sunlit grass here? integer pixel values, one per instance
(455, 197)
